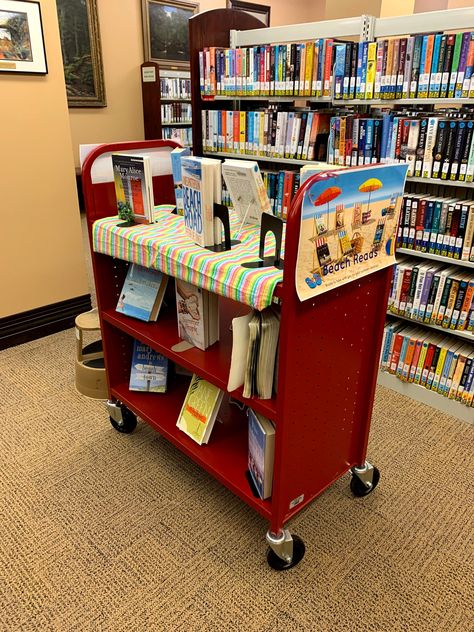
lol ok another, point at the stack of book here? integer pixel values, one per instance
(174, 88)
(176, 113)
(281, 189)
(437, 146)
(434, 66)
(437, 225)
(434, 361)
(434, 294)
(273, 70)
(299, 134)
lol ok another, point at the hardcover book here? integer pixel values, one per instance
(149, 371)
(201, 180)
(134, 186)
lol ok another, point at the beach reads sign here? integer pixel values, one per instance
(348, 227)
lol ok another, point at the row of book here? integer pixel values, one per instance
(149, 373)
(421, 66)
(434, 147)
(433, 293)
(281, 187)
(434, 361)
(176, 113)
(182, 135)
(298, 134)
(174, 88)
(437, 225)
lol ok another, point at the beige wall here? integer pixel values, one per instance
(41, 257)
(122, 51)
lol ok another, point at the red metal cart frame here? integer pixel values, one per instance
(328, 360)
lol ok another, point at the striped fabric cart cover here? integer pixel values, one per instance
(164, 246)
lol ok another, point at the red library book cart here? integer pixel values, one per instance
(328, 357)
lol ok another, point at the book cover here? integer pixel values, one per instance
(245, 185)
(142, 293)
(192, 306)
(261, 450)
(199, 410)
(198, 198)
(176, 156)
(149, 370)
(455, 64)
(134, 186)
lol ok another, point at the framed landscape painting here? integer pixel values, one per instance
(82, 56)
(165, 31)
(21, 38)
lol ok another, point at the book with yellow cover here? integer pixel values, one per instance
(199, 410)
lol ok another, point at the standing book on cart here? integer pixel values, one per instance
(149, 371)
(142, 293)
(176, 155)
(134, 186)
(201, 188)
(261, 453)
(246, 189)
(199, 410)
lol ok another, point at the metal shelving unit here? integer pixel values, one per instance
(427, 255)
(466, 335)
(231, 154)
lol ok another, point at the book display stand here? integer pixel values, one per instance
(328, 353)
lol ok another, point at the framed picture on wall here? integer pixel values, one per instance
(165, 31)
(82, 55)
(259, 11)
(21, 38)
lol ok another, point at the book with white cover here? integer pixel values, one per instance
(246, 189)
(199, 192)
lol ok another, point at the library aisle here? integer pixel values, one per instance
(123, 532)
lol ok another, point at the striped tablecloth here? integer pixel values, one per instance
(164, 246)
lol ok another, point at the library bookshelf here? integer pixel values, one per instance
(155, 125)
(363, 28)
(322, 416)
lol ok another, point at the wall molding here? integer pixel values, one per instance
(42, 321)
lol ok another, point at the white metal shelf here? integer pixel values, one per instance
(176, 124)
(430, 22)
(171, 100)
(284, 161)
(425, 396)
(449, 183)
(428, 255)
(291, 98)
(465, 335)
(414, 101)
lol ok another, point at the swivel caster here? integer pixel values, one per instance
(364, 479)
(285, 550)
(121, 417)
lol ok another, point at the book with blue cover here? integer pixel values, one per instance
(142, 293)
(261, 453)
(149, 371)
(176, 155)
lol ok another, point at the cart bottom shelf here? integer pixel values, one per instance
(225, 456)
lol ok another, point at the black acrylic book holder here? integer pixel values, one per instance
(270, 224)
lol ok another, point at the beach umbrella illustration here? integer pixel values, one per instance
(372, 184)
(327, 196)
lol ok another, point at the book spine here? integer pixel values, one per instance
(408, 67)
(435, 78)
(360, 55)
(352, 82)
(445, 166)
(415, 68)
(455, 64)
(466, 306)
(458, 148)
(469, 235)
(466, 150)
(458, 303)
(339, 65)
(401, 68)
(379, 69)
(429, 146)
(466, 40)
(428, 56)
(448, 60)
(370, 63)
(387, 70)
(468, 74)
(394, 69)
(328, 72)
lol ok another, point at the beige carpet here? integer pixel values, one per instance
(108, 532)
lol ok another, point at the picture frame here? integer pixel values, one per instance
(22, 49)
(82, 53)
(259, 11)
(167, 43)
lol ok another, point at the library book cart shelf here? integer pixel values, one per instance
(328, 353)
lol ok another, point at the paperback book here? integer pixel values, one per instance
(247, 191)
(201, 179)
(199, 410)
(198, 315)
(149, 370)
(176, 155)
(142, 293)
(261, 452)
(134, 186)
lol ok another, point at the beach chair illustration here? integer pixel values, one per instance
(378, 235)
(344, 243)
(339, 216)
(357, 216)
(389, 211)
(321, 255)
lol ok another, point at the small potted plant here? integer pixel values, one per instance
(125, 213)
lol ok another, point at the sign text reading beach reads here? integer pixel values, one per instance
(192, 204)
(347, 262)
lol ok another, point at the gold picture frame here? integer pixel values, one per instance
(82, 53)
(167, 43)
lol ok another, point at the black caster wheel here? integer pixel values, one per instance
(280, 565)
(128, 423)
(359, 489)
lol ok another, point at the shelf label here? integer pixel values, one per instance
(149, 74)
(296, 501)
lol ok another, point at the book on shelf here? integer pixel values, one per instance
(298, 133)
(254, 353)
(261, 452)
(246, 189)
(175, 88)
(200, 408)
(437, 225)
(438, 146)
(134, 186)
(197, 314)
(181, 135)
(201, 179)
(149, 370)
(436, 362)
(433, 293)
(435, 66)
(176, 155)
(176, 113)
(142, 293)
